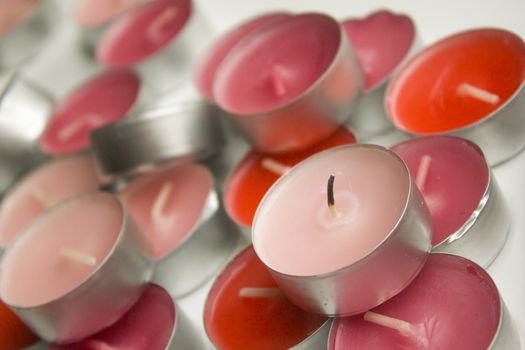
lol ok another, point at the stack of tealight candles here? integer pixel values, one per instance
(128, 195)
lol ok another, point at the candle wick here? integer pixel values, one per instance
(95, 344)
(159, 205)
(404, 328)
(467, 89)
(276, 78)
(251, 292)
(41, 197)
(73, 128)
(330, 197)
(154, 31)
(77, 256)
(275, 166)
(422, 171)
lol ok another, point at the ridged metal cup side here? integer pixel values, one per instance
(507, 336)
(184, 335)
(317, 340)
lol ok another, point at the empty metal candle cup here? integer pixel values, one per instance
(98, 301)
(24, 112)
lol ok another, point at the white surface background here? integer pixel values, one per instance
(434, 20)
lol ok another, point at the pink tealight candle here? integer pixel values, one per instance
(142, 32)
(93, 13)
(452, 304)
(210, 62)
(469, 214)
(100, 101)
(382, 40)
(177, 211)
(87, 266)
(45, 187)
(290, 84)
(344, 230)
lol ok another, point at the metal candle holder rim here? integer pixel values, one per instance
(382, 243)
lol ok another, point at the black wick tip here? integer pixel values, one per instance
(330, 191)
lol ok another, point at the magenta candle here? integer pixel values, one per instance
(142, 32)
(295, 75)
(342, 208)
(100, 101)
(45, 187)
(210, 62)
(452, 304)
(455, 180)
(94, 13)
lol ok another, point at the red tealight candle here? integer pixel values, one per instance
(14, 334)
(102, 100)
(256, 173)
(246, 310)
(464, 85)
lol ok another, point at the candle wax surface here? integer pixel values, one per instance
(457, 179)
(47, 186)
(142, 32)
(210, 62)
(382, 40)
(14, 334)
(272, 323)
(185, 189)
(424, 98)
(14, 12)
(294, 232)
(250, 181)
(34, 272)
(100, 101)
(148, 325)
(453, 303)
(274, 65)
(93, 13)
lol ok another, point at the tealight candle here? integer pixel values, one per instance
(87, 265)
(42, 189)
(344, 230)
(210, 62)
(469, 85)
(99, 101)
(179, 214)
(290, 84)
(382, 40)
(155, 322)
(14, 334)
(256, 172)
(245, 309)
(469, 215)
(452, 304)
(94, 13)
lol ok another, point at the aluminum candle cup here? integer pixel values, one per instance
(24, 112)
(177, 133)
(448, 89)
(353, 255)
(105, 274)
(286, 100)
(469, 215)
(25, 38)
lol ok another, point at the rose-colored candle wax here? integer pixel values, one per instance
(142, 32)
(256, 172)
(457, 82)
(93, 13)
(50, 184)
(210, 62)
(451, 304)
(246, 310)
(14, 334)
(100, 101)
(60, 251)
(14, 12)
(168, 204)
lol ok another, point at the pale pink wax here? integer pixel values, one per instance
(168, 204)
(456, 180)
(210, 62)
(382, 40)
(274, 65)
(45, 187)
(93, 13)
(142, 32)
(14, 12)
(294, 232)
(452, 303)
(34, 270)
(100, 101)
